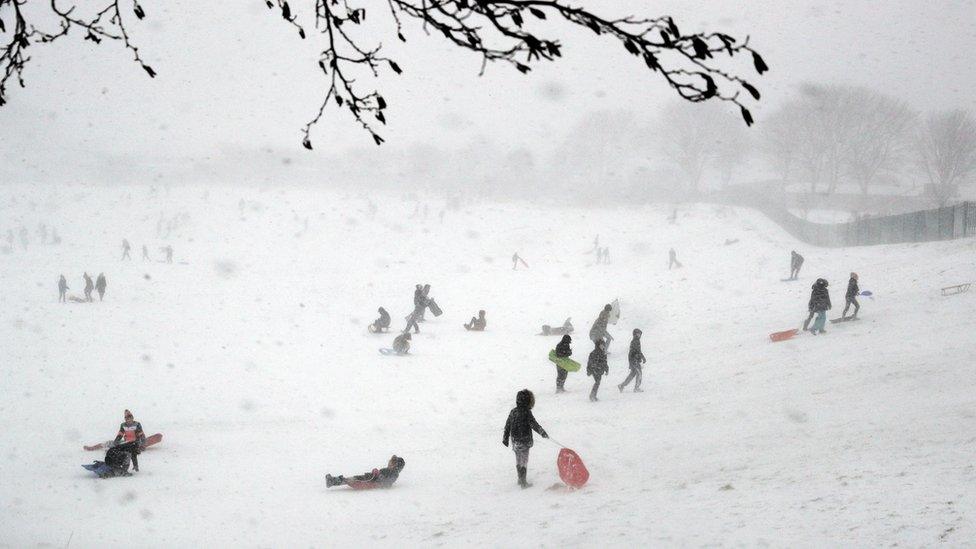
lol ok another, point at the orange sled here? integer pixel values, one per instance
(784, 335)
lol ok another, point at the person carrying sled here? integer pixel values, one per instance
(477, 324)
(851, 296)
(100, 286)
(89, 286)
(401, 344)
(125, 250)
(818, 306)
(383, 478)
(382, 323)
(796, 261)
(518, 429)
(563, 350)
(419, 304)
(130, 431)
(596, 366)
(635, 359)
(598, 332)
(62, 290)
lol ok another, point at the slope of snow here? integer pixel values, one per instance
(250, 354)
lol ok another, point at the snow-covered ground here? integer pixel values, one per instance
(250, 354)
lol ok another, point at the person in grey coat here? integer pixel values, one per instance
(596, 366)
(635, 359)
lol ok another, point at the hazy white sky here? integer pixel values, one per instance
(233, 76)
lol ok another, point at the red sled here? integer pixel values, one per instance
(571, 468)
(784, 335)
(150, 440)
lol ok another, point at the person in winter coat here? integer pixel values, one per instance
(384, 477)
(635, 359)
(119, 457)
(818, 306)
(673, 259)
(131, 431)
(518, 429)
(796, 261)
(401, 344)
(597, 367)
(100, 285)
(62, 290)
(89, 286)
(563, 350)
(125, 249)
(477, 324)
(851, 296)
(598, 332)
(383, 322)
(419, 305)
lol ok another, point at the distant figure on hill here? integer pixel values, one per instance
(168, 250)
(635, 359)
(477, 324)
(596, 366)
(100, 285)
(62, 290)
(851, 296)
(596, 246)
(673, 218)
(89, 286)
(598, 332)
(145, 253)
(796, 261)
(125, 250)
(518, 429)
(563, 350)
(401, 344)
(818, 305)
(382, 323)
(673, 259)
(419, 304)
(516, 259)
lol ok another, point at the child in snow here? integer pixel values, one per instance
(598, 332)
(597, 367)
(125, 249)
(119, 457)
(563, 350)
(477, 324)
(384, 478)
(518, 428)
(100, 285)
(796, 261)
(673, 259)
(635, 359)
(383, 322)
(401, 345)
(89, 286)
(852, 291)
(130, 431)
(62, 289)
(419, 305)
(819, 305)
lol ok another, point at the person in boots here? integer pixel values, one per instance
(384, 478)
(563, 350)
(477, 324)
(63, 289)
(597, 367)
(851, 296)
(131, 431)
(635, 359)
(819, 305)
(100, 286)
(518, 429)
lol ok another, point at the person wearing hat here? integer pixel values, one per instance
(563, 350)
(518, 430)
(131, 431)
(384, 477)
(852, 291)
(596, 366)
(598, 332)
(818, 306)
(635, 358)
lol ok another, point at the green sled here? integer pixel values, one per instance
(567, 364)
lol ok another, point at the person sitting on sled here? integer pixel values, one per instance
(477, 324)
(130, 431)
(384, 478)
(383, 322)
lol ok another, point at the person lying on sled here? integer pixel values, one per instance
(383, 478)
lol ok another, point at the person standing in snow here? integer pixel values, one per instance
(563, 350)
(598, 332)
(145, 253)
(518, 429)
(62, 290)
(635, 359)
(596, 366)
(100, 285)
(673, 259)
(131, 431)
(168, 250)
(818, 306)
(125, 250)
(851, 296)
(796, 261)
(89, 286)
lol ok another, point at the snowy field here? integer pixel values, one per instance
(250, 354)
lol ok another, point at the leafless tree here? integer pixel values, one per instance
(947, 153)
(880, 136)
(695, 65)
(698, 138)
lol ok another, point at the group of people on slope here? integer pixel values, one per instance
(99, 284)
(819, 304)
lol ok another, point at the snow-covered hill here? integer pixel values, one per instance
(250, 354)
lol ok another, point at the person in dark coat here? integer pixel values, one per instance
(598, 332)
(401, 344)
(62, 290)
(518, 429)
(597, 367)
(100, 285)
(477, 324)
(383, 322)
(130, 431)
(419, 305)
(851, 296)
(89, 286)
(818, 306)
(796, 261)
(125, 249)
(563, 350)
(635, 359)
(384, 477)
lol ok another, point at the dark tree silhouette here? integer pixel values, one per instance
(694, 64)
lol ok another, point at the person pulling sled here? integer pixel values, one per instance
(818, 306)
(852, 290)
(518, 429)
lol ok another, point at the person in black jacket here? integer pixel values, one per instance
(598, 331)
(89, 286)
(100, 286)
(518, 428)
(635, 359)
(796, 261)
(382, 323)
(563, 350)
(384, 477)
(419, 305)
(819, 305)
(597, 367)
(852, 291)
(62, 290)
